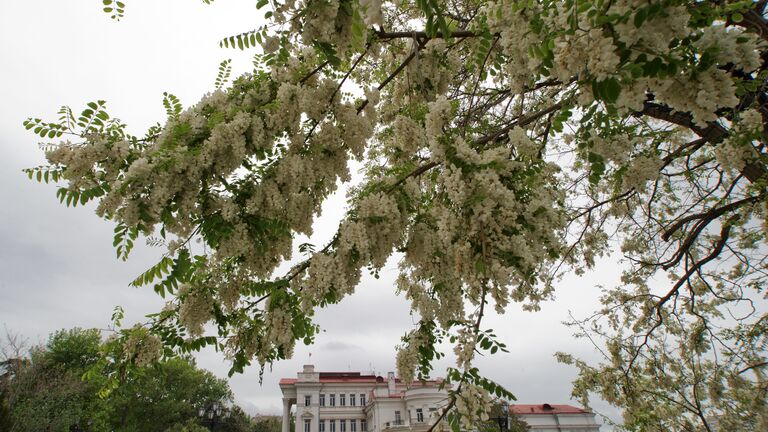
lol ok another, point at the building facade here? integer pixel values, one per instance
(352, 402)
(556, 418)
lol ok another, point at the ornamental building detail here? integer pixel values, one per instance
(352, 402)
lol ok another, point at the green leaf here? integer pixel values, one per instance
(480, 266)
(607, 90)
(172, 105)
(225, 69)
(640, 17)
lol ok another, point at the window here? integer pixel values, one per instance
(363, 425)
(342, 401)
(333, 424)
(306, 425)
(307, 400)
(332, 402)
(322, 426)
(342, 426)
(353, 425)
(419, 415)
(398, 419)
(351, 399)
(362, 399)
(322, 399)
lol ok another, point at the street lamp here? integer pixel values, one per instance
(210, 415)
(503, 418)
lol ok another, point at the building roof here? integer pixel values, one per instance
(339, 377)
(546, 409)
(352, 377)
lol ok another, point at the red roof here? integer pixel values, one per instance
(338, 378)
(348, 377)
(546, 409)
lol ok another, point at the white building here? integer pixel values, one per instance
(351, 402)
(556, 418)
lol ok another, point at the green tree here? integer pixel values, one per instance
(236, 420)
(268, 424)
(158, 396)
(505, 143)
(12, 360)
(50, 391)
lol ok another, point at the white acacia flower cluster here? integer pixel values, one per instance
(428, 74)
(440, 114)
(364, 240)
(142, 347)
(641, 170)
(79, 160)
(271, 332)
(653, 35)
(466, 343)
(408, 136)
(732, 46)
(515, 38)
(320, 21)
(472, 403)
(615, 148)
(702, 96)
(204, 149)
(372, 15)
(522, 143)
(737, 150)
(407, 358)
(326, 273)
(592, 52)
(279, 333)
(231, 280)
(481, 233)
(633, 95)
(196, 308)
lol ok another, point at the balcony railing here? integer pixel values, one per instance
(394, 424)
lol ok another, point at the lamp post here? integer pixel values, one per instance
(210, 415)
(503, 418)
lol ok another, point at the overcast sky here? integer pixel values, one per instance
(58, 267)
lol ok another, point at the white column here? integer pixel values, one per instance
(286, 415)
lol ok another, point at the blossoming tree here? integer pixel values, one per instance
(505, 143)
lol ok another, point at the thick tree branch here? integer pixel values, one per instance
(382, 35)
(708, 215)
(714, 133)
(522, 121)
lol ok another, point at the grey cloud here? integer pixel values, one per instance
(340, 346)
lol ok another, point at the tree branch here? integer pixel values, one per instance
(709, 215)
(713, 133)
(382, 35)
